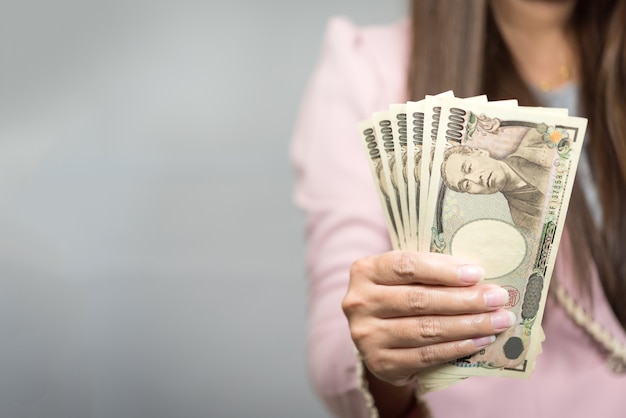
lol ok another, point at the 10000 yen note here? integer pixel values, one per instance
(400, 137)
(384, 137)
(432, 116)
(382, 183)
(432, 109)
(415, 141)
(501, 184)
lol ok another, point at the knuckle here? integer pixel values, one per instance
(354, 299)
(357, 269)
(405, 264)
(348, 302)
(379, 364)
(427, 355)
(383, 365)
(359, 333)
(429, 327)
(372, 361)
(419, 300)
(352, 302)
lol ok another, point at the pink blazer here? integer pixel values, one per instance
(362, 70)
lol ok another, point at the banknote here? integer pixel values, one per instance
(384, 136)
(415, 128)
(381, 182)
(486, 181)
(432, 109)
(400, 145)
(500, 192)
(432, 115)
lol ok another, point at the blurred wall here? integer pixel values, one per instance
(151, 261)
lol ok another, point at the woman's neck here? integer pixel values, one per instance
(538, 36)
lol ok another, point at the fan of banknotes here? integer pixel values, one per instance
(487, 181)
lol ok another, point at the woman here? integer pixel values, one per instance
(560, 53)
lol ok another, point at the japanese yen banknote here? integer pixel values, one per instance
(487, 181)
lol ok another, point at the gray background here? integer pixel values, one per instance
(151, 261)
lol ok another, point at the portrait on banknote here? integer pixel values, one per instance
(499, 199)
(522, 176)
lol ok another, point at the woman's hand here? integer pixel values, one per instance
(412, 310)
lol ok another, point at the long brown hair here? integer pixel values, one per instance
(454, 41)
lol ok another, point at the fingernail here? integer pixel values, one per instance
(470, 274)
(496, 297)
(502, 320)
(483, 341)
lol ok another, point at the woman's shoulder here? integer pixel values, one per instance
(393, 37)
(370, 58)
(385, 43)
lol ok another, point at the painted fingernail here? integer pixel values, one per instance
(483, 341)
(496, 297)
(470, 274)
(502, 320)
